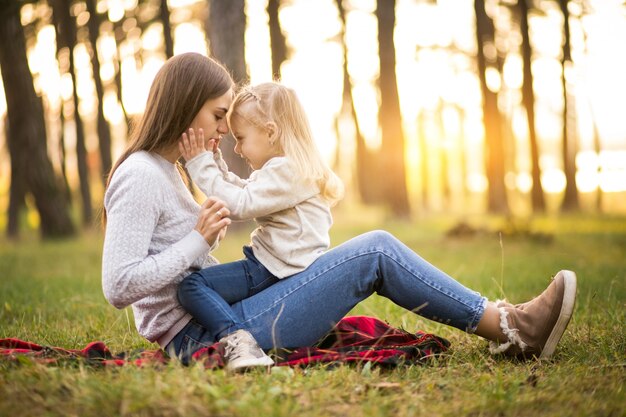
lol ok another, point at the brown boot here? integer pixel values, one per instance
(534, 328)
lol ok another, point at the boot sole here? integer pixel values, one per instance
(567, 308)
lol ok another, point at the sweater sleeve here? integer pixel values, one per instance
(129, 271)
(228, 175)
(269, 189)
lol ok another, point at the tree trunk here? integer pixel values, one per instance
(597, 147)
(104, 132)
(423, 144)
(226, 28)
(63, 159)
(570, 199)
(462, 146)
(31, 168)
(167, 29)
(66, 31)
(119, 34)
(17, 191)
(389, 113)
(496, 198)
(277, 38)
(365, 169)
(528, 97)
(444, 157)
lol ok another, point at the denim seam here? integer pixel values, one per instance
(426, 281)
(479, 311)
(227, 313)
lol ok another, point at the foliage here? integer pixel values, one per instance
(51, 294)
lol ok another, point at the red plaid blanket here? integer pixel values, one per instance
(355, 339)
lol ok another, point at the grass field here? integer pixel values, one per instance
(50, 294)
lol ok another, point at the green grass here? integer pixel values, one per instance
(50, 294)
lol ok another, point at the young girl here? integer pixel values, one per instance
(289, 194)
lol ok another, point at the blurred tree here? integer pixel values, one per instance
(17, 190)
(104, 131)
(597, 140)
(423, 149)
(365, 162)
(462, 146)
(226, 29)
(444, 172)
(390, 119)
(528, 98)
(277, 38)
(486, 57)
(65, 26)
(119, 35)
(167, 29)
(570, 199)
(31, 170)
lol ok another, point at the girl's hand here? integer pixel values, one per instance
(213, 220)
(213, 145)
(190, 146)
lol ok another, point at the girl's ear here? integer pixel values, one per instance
(271, 130)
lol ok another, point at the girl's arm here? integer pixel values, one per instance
(271, 189)
(192, 147)
(223, 167)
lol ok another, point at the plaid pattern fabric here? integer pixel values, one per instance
(355, 339)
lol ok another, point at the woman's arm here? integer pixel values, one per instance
(129, 271)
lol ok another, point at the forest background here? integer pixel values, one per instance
(487, 135)
(456, 107)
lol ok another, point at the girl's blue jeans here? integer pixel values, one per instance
(207, 294)
(299, 310)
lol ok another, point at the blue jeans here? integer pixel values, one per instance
(299, 310)
(208, 293)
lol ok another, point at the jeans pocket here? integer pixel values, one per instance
(267, 282)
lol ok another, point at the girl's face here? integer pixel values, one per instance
(212, 117)
(253, 143)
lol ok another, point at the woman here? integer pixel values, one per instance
(156, 234)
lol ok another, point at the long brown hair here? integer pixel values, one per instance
(179, 90)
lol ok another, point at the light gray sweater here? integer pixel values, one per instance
(293, 219)
(150, 244)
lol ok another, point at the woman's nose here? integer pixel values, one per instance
(222, 127)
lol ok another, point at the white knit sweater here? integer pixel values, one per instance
(150, 244)
(293, 219)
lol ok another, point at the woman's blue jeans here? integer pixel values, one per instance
(299, 310)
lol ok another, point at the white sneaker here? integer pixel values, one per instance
(241, 351)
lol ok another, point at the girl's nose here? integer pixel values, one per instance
(238, 148)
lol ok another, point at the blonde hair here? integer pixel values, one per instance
(277, 104)
(179, 90)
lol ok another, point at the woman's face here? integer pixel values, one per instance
(212, 117)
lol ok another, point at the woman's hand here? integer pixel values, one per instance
(191, 146)
(213, 220)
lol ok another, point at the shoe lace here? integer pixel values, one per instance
(233, 348)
